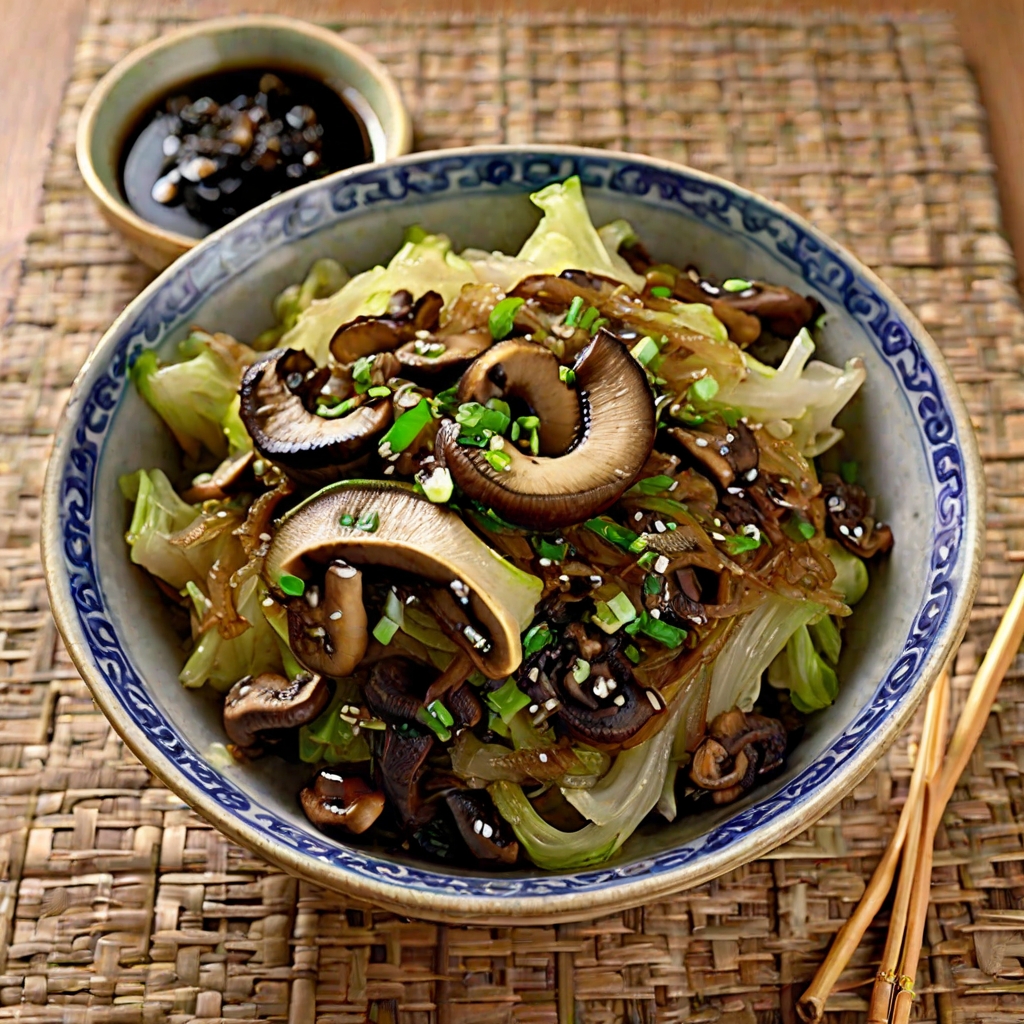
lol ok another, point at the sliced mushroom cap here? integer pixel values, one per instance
(518, 369)
(401, 766)
(369, 334)
(483, 830)
(337, 800)
(222, 481)
(729, 454)
(443, 353)
(617, 435)
(849, 512)
(255, 709)
(285, 430)
(739, 747)
(388, 524)
(394, 690)
(327, 630)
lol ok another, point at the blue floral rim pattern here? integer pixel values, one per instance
(827, 272)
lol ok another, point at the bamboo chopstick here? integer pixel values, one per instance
(969, 728)
(927, 798)
(811, 1005)
(933, 741)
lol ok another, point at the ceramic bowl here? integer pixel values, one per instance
(145, 76)
(908, 429)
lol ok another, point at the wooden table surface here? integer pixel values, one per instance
(37, 43)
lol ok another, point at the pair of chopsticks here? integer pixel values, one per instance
(936, 771)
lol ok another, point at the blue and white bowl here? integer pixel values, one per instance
(908, 429)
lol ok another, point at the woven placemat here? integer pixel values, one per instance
(119, 906)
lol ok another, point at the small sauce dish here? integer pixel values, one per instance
(176, 109)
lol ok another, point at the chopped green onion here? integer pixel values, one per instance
(659, 291)
(434, 722)
(647, 560)
(581, 670)
(632, 653)
(645, 350)
(347, 520)
(537, 638)
(407, 427)
(736, 284)
(438, 710)
(333, 412)
(738, 543)
(652, 584)
(731, 416)
(414, 234)
(200, 601)
(620, 536)
(848, 471)
(597, 325)
(588, 318)
(498, 460)
(385, 630)
(361, 373)
(821, 321)
(546, 549)
(381, 391)
(613, 614)
(438, 487)
(575, 308)
(507, 701)
(446, 402)
(640, 544)
(651, 485)
(703, 390)
(496, 724)
(503, 317)
(475, 418)
(528, 422)
(665, 634)
(805, 529)
(567, 376)
(292, 585)
(368, 522)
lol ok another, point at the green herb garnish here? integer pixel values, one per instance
(361, 373)
(848, 471)
(575, 308)
(652, 585)
(665, 634)
(368, 522)
(632, 653)
(740, 542)
(736, 284)
(333, 412)
(536, 638)
(507, 701)
(644, 351)
(651, 485)
(547, 549)
(611, 615)
(498, 460)
(660, 291)
(620, 536)
(588, 318)
(567, 376)
(407, 427)
(380, 391)
(703, 390)
(292, 585)
(503, 317)
(600, 322)
(347, 520)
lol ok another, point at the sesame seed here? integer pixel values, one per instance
(659, 526)
(596, 580)
(655, 613)
(487, 831)
(543, 758)
(244, 691)
(334, 616)
(534, 708)
(655, 700)
(701, 442)
(734, 490)
(619, 701)
(222, 515)
(612, 685)
(730, 438)
(638, 516)
(751, 475)
(724, 450)
(844, 530)
(675, 484)
(600, 687)
(550, 704)
(858, 532)
(265, 537)
(661, 564)
(718, 522)
(534, 674)
(717, 536)
(267, 602)
(564, 578)
(545, 562)
(478, 826)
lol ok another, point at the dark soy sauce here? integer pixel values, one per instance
(221, 145)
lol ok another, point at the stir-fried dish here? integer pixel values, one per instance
(511, 551)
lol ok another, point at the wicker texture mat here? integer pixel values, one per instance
(119, 906)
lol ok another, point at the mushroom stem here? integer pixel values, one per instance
(453, 676)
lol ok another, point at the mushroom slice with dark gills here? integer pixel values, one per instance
(729, 455)
(597, 699)
(400, 768)
(367, 335)
(327, 625)
(849, 511)
(259, 709)
(389, 525)
(341, 800)
(483, 830)
(617, 427)
(520, 370)
(398, 689)
(738, 748)
(278, 403)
